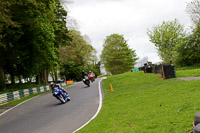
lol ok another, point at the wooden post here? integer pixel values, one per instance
(163, 72)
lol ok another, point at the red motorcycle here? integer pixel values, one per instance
(91, 77)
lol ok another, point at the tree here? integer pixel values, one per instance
(166, 37)
(31, 41)
(62, 37)
(193, 8)
(116, 56)
(6, 23)
(31, 32)
(188, 52)
(77, 56)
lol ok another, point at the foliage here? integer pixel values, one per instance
(166, 37)
(116, 56)
(77, 56)
(188, 52)
(143, 103)
(193, 8)
(194, 66)
(30, 34)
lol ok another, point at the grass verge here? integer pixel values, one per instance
(143, 103)
(188, 73)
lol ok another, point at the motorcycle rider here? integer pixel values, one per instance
(52, 85)
(91, 75)
(85, 78)
(84, 74)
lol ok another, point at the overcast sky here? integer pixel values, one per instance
(131, 18)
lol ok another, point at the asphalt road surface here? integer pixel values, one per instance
(45, 114)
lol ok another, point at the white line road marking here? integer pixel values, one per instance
(98, 110)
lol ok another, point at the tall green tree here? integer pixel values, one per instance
(31, 31)
(77, 56)
(116, 56)
(166, 38)
(62, 37)
(5, 22)
(189, 50)
(31, 41)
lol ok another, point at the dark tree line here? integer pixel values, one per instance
(31, 31)
(34, 43)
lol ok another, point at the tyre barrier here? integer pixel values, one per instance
(16, 95)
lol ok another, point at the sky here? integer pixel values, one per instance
(131, 18)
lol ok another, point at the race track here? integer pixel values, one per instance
(45, 114)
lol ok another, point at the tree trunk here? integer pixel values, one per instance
(56, 75)
(2, 76)
(41, 78)
(47, 76)
(20, 79)
(2, 79)
(44, 76)
(30, 79)
(38, 81)
(12, 79)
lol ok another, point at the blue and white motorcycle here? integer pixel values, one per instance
(60, 95)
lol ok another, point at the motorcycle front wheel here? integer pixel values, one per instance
(61, 98)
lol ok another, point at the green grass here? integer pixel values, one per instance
(188, 73)
(143, 103)
(106, 75)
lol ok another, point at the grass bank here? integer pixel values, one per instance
(143, 103)
(189, 71)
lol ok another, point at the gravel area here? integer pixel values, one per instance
(190, 78)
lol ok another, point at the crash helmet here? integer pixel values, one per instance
(52, 85)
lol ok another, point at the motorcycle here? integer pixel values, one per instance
(91, 77)
(86, 80)
(60, 95)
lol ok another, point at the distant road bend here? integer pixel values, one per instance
(45, 114)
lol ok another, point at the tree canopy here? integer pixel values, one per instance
(166, 38)
(77, 56)
(116, 56)
(189, 50)
(31, 32)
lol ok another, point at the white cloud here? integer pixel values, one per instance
(100, 18)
